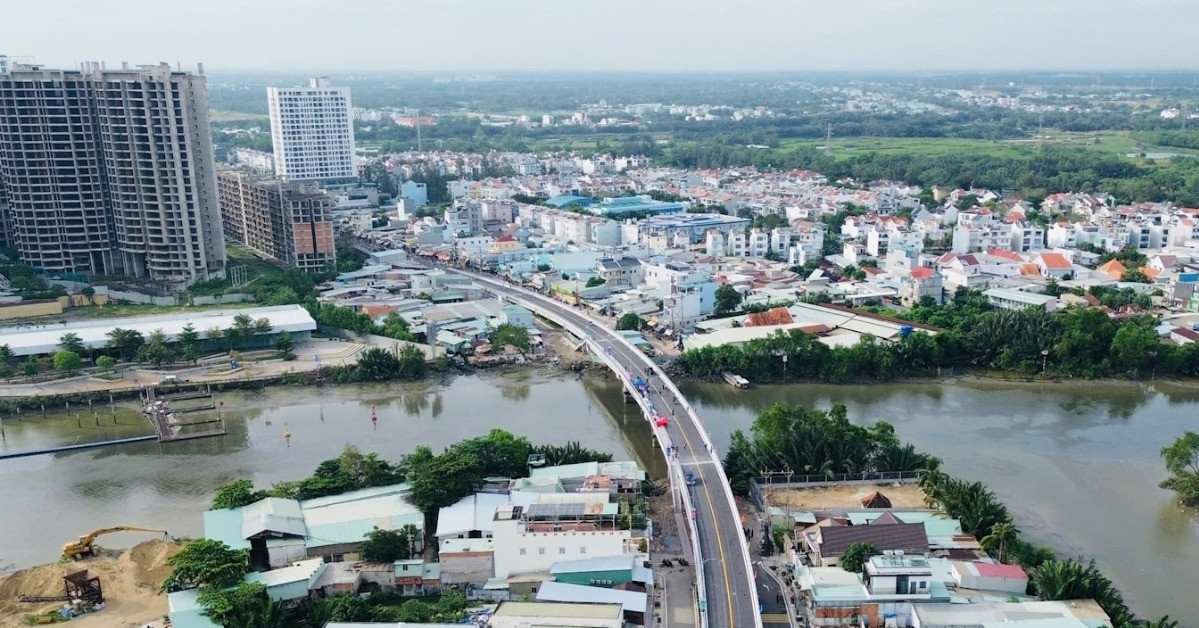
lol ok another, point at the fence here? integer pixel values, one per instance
(223, 298)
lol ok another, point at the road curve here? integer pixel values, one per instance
(731, 596)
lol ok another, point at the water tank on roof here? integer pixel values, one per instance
(905, 331)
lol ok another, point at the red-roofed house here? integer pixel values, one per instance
(1113, 268)
(769, 318)
(919, 283)
(990, 577)
(1054, 265)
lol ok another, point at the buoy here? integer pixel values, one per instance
(287, 436)
(374, 417)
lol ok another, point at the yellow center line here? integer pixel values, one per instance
(728, 591)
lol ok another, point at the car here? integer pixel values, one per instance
(691, 479)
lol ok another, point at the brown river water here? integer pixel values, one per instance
(1078, 464)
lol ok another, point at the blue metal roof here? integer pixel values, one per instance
(567, 199)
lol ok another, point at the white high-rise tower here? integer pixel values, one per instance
(312, 132)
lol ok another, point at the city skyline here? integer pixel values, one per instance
(617, 35)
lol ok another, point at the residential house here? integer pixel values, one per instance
(620, 272)
(827, 544)
(1054, 265)
(535, 537)
(919, 283)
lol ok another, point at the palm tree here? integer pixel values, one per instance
(1001, 536)
(1161, 622)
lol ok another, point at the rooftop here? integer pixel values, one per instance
(38, 339)
(630, 601)
(560, 610)
(476, 512)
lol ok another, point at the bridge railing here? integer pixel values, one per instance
(678, 484)
(647, 363)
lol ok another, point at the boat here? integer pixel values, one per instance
(734, 380)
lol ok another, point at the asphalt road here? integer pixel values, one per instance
(729, 587)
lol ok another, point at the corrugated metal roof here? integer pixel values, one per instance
(599, 563)
(302, 571)
(37, 339)
(475, 512)
(630, 601)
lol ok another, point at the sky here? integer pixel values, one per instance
(625, 35)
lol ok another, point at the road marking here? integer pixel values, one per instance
(695, 462)
(776, 618)
(728, 591)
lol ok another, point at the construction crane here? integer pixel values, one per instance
(84, 546)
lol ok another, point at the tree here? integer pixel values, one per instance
(125, 342)
(285, 346)
(439, 481)
(207, 563)
(1070, 579)
(509, 335)
(188, 335)
(30, 366)
(244, 606)
(1182, 461)
(236, 494)
(388, 546)
(214, 334)
(88, 293)
(67, 361)
(595, 281)
(630, 321)
(6, 355)
(156, 349)
(190, 354)
(728, 299)
(1001, 537)
(106, 363)
(394, 326)
(71, 342)
(1134, 346)
(1135, 275)
(855, 556)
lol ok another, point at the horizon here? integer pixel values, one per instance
(547, 36)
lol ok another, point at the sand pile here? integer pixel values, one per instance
(130, 582)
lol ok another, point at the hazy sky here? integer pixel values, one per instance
(718, 35)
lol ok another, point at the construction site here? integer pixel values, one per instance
(103, 588)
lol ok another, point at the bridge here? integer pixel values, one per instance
(724, 575)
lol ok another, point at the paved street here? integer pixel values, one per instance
(729, 596)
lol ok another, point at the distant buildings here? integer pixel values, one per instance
(110, 172)
(312, 132)
(279, 220)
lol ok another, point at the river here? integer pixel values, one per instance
(1078, 464)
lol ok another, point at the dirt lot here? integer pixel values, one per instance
(848, 497)
(130, 581)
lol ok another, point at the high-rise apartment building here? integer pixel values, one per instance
(111, 172)
(312, 132)
(283, 221)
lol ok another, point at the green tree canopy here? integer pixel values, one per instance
(208, 563)
(595, 281)
(71, 342)
(125, 342)
(388, 546)
(1182, 461)
(728, 299)
(67, 361)
(630, 321)
(510, 335)
(236, 494)
(855, 556)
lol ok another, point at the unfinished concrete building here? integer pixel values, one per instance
(111, 172)
(280, 221)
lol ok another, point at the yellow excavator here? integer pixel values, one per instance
(84, 546)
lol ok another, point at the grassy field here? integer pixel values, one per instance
(216, 115)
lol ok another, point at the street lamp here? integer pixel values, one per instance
(1044, 361)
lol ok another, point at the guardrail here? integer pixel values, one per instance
(646, 363)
